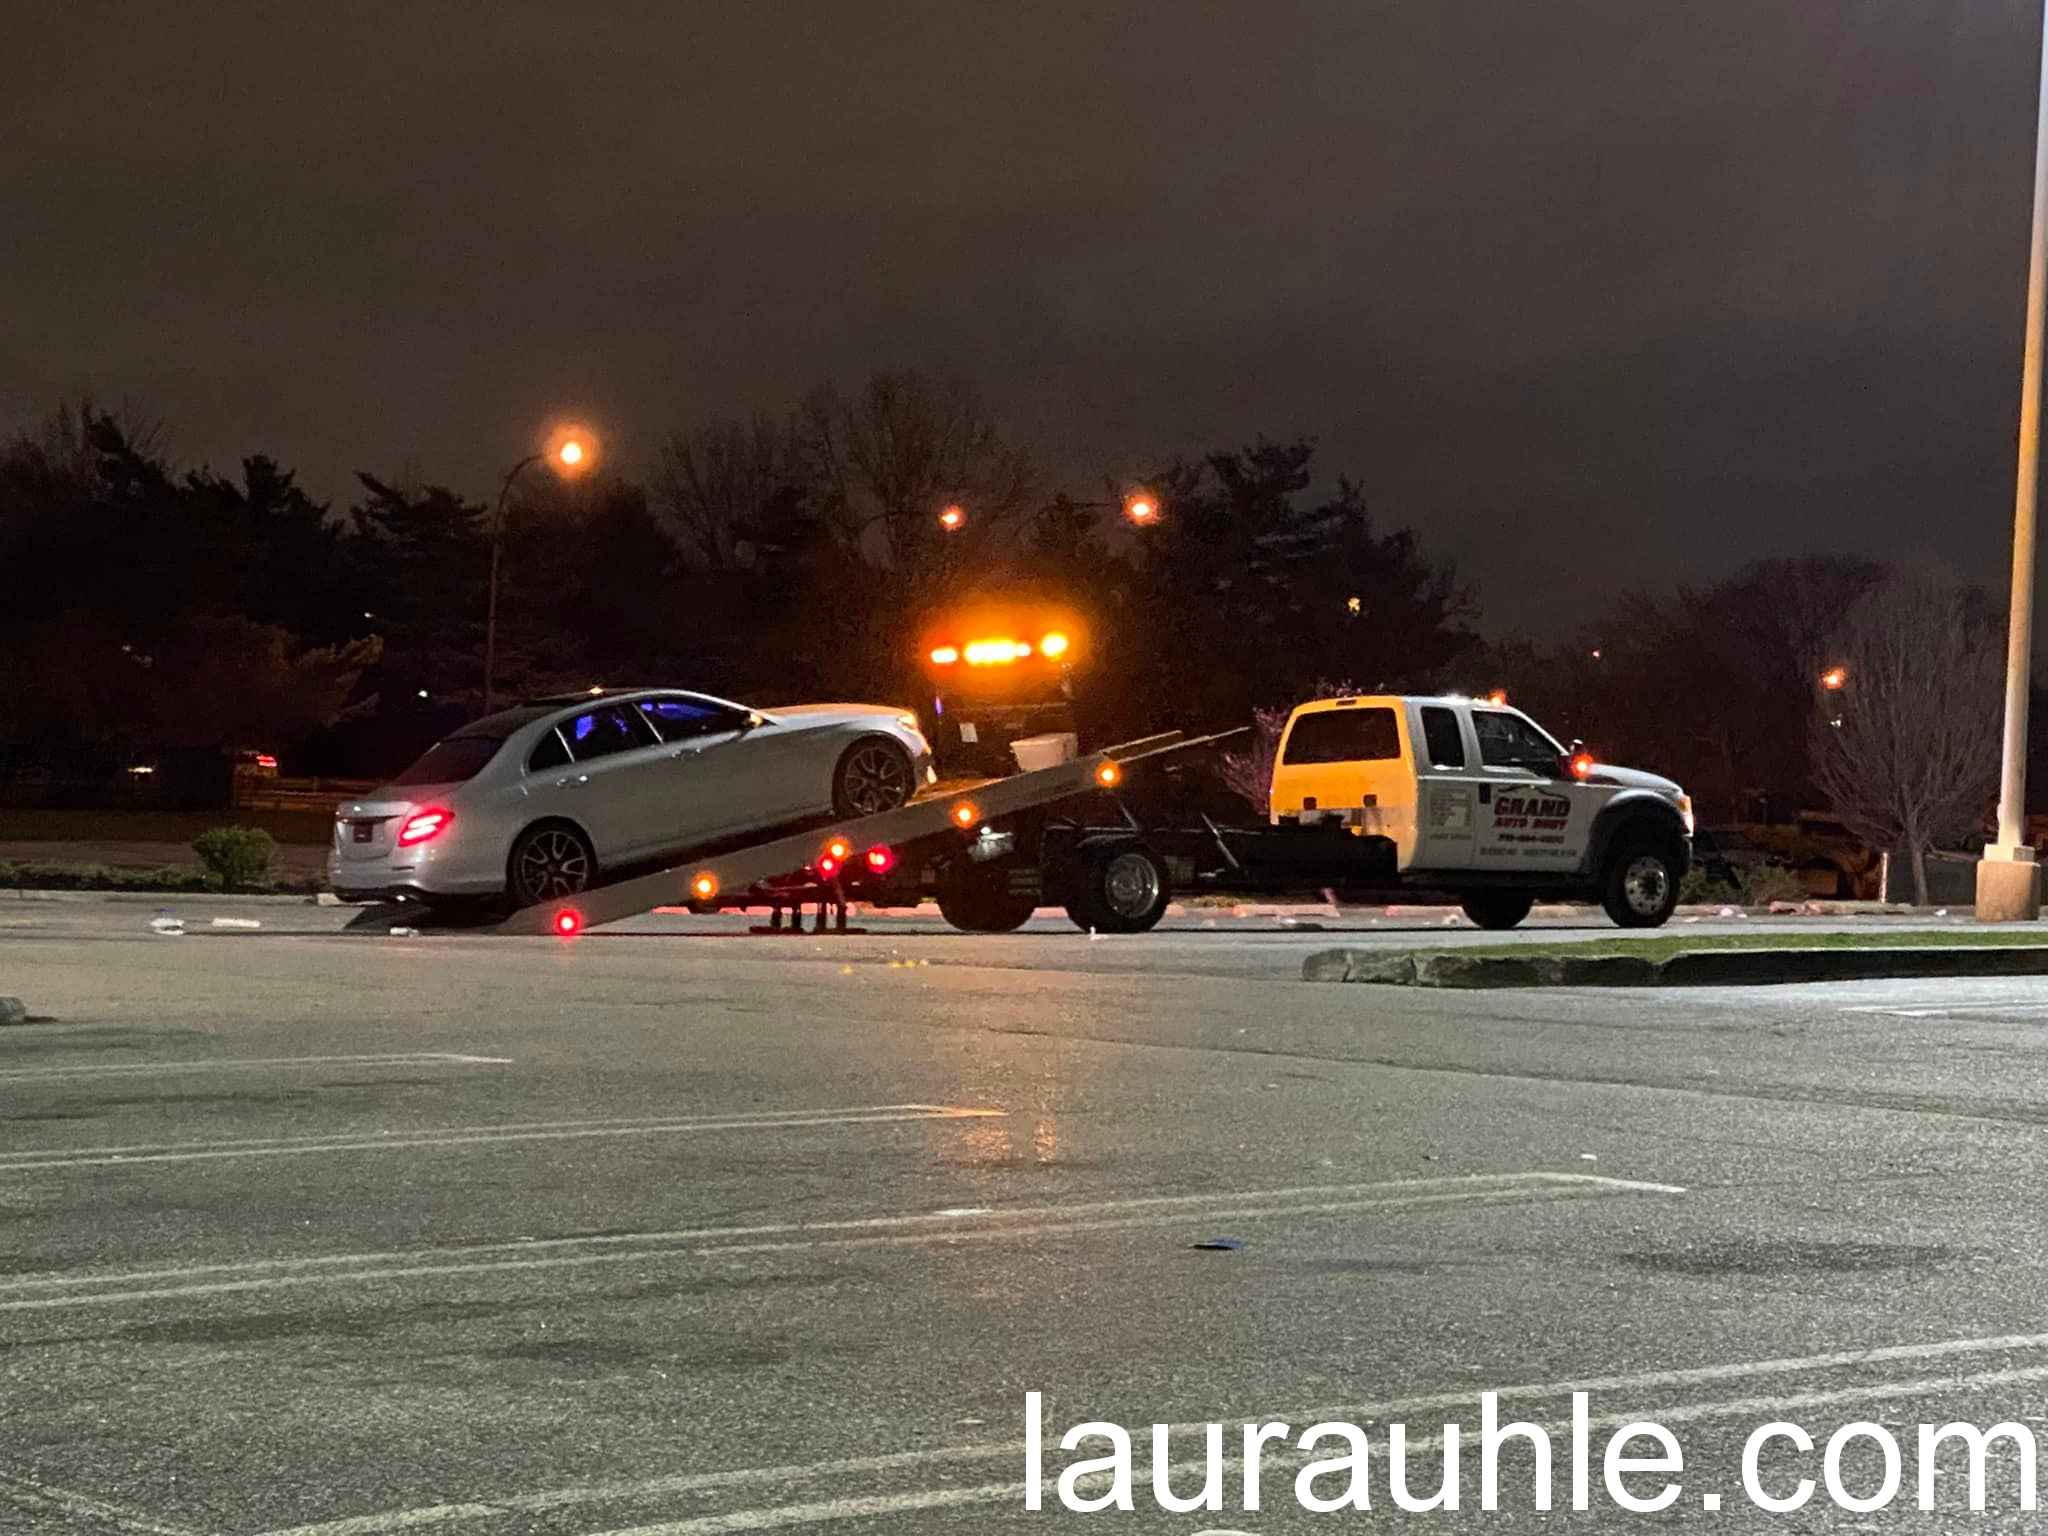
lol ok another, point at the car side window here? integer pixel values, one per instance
(1509, 741)
(602, 732)
(1344, 736)
(1442, 738)
(675, 718)
(549, 752)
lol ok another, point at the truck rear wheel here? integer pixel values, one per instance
(1121, 890)
(976, 898)
(1497, 909)
(1639, 888)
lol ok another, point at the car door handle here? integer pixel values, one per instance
(683, 754)
(571, 783)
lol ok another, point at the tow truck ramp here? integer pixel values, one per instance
(805, 864)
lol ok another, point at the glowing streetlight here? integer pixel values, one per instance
(952, 518)
(571, 450)
(1142, 508)
(1834, 678)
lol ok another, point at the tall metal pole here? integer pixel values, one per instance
(1998, 894)
(491, 610)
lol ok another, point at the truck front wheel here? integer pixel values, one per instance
(1498, 909)
(1639, 888)
(1120, 890)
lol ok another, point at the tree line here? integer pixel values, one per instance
(781, 557)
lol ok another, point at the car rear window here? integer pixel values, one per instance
(454, 761)
(1344, 736)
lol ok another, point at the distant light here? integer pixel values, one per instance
(141, 769)
(568, 922)
(571, 453)
(1054, 644)
(1351, 605)
(1141, 507)
(366, 614)
(595, 689)
(945, 655)
(952, 518)
(1834, 678)
(1596, 653)
(423, 693)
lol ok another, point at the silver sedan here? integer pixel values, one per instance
(532, 803)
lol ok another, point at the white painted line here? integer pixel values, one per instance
(1947, 1010)
(253, 1064)
(469, 1136)
(1356, 1413)
(81, 1508)
(919, 1230)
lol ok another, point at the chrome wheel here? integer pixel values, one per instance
(1646, 885)
(875, 776)
(1130, 885)
(548, 864)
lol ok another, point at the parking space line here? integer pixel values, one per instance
(252, 1064)
(902, 1231)
(471, 1136)
(1909, 1010)
(42, 1498)
(825, 1511)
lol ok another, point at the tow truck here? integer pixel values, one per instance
(1383, 797)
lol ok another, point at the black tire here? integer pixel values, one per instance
(1639, 886)
(550, 861)
(872, 775)
(1121, 889)
(976, 898)
(1498, 909)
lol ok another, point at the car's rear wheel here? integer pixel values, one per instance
(1497, 909)
(873, 775)
(549, 862)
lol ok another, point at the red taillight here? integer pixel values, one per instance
(881, 859)
(422, 826)
(568, 922)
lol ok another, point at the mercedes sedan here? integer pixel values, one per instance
(531, 804)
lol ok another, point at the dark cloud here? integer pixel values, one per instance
(1595, 292)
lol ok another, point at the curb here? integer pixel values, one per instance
(1690, 968)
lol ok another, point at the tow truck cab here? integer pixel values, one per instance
(1470, 794)
(1002, 683)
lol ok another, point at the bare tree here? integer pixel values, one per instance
(715, 484)
(1908, 755)
(882, 463)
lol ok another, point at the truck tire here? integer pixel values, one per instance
(1121, 889)
(1497, 909)
(1639, 886)
(976, 898)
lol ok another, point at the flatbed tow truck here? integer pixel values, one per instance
(1373, 798)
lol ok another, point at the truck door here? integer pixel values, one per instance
(1447, 799)
(1529, 814)
(1346, 763)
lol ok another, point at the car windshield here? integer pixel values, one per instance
(453, 761)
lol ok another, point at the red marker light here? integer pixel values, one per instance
(1582, 764)
(827, 866)
(568, 922)
(1109, 775)
(423, 826)
(966, 814)
(839, 850)
(881, 859)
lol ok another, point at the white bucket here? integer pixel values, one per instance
(1034, 752)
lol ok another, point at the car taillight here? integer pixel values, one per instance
(881, 859)
(423, 826)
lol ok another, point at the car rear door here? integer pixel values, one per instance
(612, 787)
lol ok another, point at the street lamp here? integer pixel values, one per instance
(1142, 508)
(2008, 880)
(952, 518)
(1834, 678)
(570, 451)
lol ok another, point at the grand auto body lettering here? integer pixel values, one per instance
(1532, 813)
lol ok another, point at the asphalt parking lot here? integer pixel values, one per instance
(675, 1230)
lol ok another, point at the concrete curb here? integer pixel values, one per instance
(1691, 968)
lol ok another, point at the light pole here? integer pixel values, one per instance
(2008, 879)
(570, 453)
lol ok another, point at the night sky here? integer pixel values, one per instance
(1595, 295)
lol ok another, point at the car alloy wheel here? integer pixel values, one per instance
(875, 777)
(552, 863)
